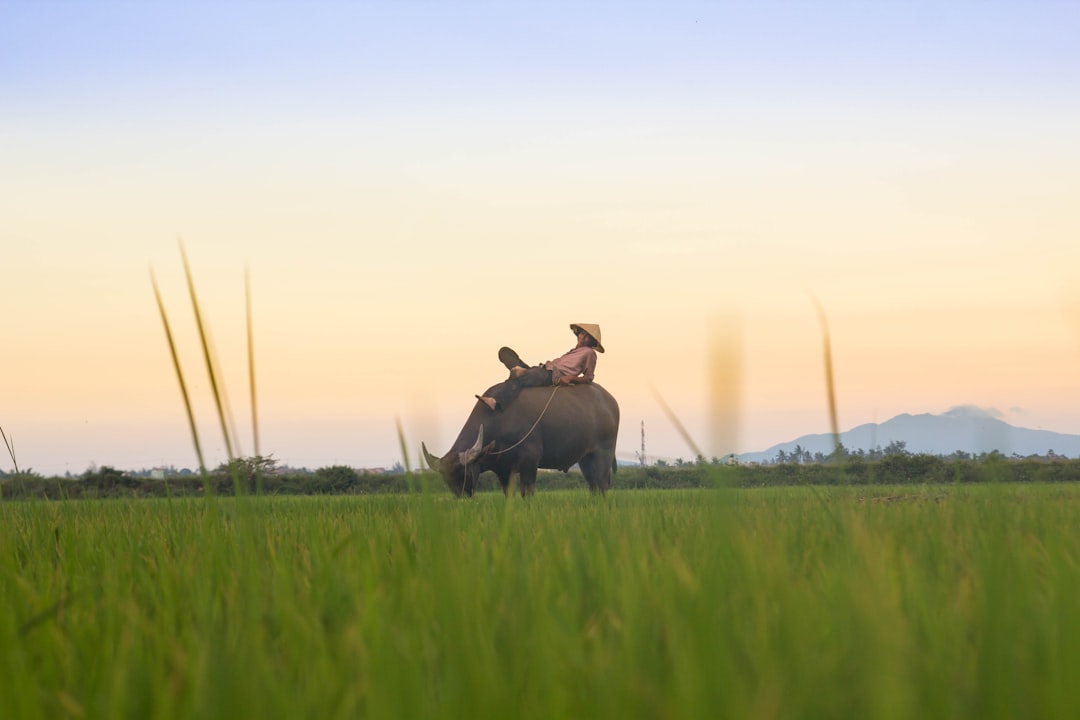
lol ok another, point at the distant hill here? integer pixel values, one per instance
(965, 428)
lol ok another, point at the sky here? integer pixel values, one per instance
(411, 185)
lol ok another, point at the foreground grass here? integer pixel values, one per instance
(959, 601)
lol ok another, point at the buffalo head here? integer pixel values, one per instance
(460, 470)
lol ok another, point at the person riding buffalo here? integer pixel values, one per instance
(575, 367)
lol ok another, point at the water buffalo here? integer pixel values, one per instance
(577, 424)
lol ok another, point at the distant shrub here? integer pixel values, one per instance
(338, 478)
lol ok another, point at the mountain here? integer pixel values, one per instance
(964, 428)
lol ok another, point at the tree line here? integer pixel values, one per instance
(261, 476)
(897, 448)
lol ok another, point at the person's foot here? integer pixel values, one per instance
(490, 402)
(516, 372)
(510, 359)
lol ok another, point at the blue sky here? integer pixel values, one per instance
(155, 58)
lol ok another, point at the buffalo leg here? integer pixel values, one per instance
(527, 478)
(596, 467)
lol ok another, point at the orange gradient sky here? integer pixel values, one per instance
(411, 187)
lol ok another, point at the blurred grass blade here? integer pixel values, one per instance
(11, 450)
(725, 383)
(251, 362)
(251, 382)
(208, 357)
(830, 386)
(230, 419)
(49, 613)
(404, 447)
(405, 455)
(677, 423)
(179, 376)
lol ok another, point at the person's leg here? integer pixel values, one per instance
(499, 396)
(533, 377)
(510, 359)
(496, 396)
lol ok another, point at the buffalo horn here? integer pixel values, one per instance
(432, 462)
(474, 452)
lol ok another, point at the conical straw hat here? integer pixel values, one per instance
(593, 330)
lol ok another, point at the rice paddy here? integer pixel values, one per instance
(942, 601)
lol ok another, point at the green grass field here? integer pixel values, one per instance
(943, 601)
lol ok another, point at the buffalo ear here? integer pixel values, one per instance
(488, 448)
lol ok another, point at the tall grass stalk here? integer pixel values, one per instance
(677, 424)
(251, 377)
(11, 452)
(830, 385)
(183, 385)
(404, 447)
(10, 449)
(216, 388)
(725, 357)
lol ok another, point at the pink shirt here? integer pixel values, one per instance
(579, 361)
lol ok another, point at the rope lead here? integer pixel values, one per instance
(542, 412)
